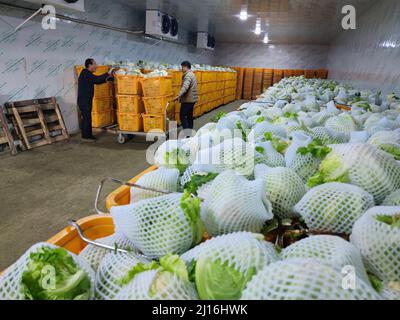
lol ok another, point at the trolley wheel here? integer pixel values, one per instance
(122, 138)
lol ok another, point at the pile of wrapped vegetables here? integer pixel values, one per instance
(293, 195)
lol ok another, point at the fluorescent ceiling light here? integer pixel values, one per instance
(266, 38)
(257, 30)
(243, 15)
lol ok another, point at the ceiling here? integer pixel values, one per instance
(286, 21)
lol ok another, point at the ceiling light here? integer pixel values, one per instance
(257, 30)
(243, 13)
(266, 38)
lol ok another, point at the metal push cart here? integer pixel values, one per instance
(123, 136)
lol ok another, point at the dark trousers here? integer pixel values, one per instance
(186, 115)
(85, 105)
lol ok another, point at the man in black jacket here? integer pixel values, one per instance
(86, 83)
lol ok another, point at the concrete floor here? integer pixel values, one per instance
(41, 189)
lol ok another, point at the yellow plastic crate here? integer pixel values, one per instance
(176, 77)
(197, 111)
(178, 118)
(132, 104)
(128, 85)
(199, 76)
(102, 104)
(176, 90)
(220, 85)
(209, 76)
(102, 119)
(220, 76)
(103, 90)
(156, 87)
(156, 122)
(157, 105)
(130, 122)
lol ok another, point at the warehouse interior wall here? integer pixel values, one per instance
(369, 56)
(275, 56)
(37, 63)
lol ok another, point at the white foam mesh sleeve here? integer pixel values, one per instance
(284, 189)
(334, 207)
(10, 282)
(234, 204)
(93, 254)
(240, 250)
(156, 226)
(392, 199)
(304, 279)
(332, 249)
(369, 168)
(162, 179)
(173, 289)
(113, 268)
(379, 243)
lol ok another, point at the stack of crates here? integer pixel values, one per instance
(129, 99)
(176, 77)
(257, 82)
(298, 72)
(239, 82)
(157, 93)
(268, 78)
(309, 74)
(287, 73)
(230, 87)
(103, 113)
(248, 83)
(278, 75)
(322, 74)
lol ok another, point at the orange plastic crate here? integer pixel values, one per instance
(157, 105)
(176, 77)
(102, 104)
(322, 74)
(132, 104)
(103, 119)
(130, 122)
(309, 74)
(156, 122)
(199, 76)
(128, 84)
(156, 87)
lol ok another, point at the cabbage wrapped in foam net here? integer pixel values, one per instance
(305, 279)
(223, 265)
(392, 199)
(234, 204)
(162, 225)
(340, 126)
(334, 207)
(362, 165)
(168, 280)
(234, 154)
(94, 254)
(48, 272)
(284, 188)
(266, 154)
(377, 234)
(113, 268)
(161, 179)
(332, 249)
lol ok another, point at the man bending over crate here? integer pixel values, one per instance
(86, 83)
(187, 95)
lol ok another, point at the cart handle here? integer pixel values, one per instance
(74, 224)
(122, 183)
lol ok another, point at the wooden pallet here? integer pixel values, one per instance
(6, 136)
(39, 121)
